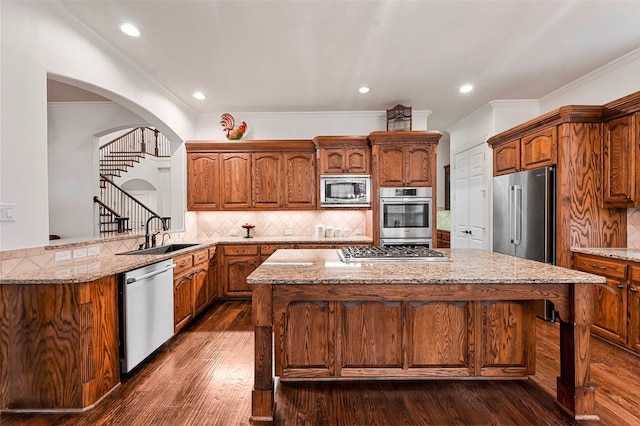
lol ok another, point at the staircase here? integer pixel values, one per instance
(120, 211)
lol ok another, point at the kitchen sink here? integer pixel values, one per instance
(170, 248)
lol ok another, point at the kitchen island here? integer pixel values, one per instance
(471, 318)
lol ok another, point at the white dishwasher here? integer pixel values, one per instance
(146, 312)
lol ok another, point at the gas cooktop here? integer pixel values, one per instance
(391, 254)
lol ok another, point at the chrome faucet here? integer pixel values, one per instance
(146, 231)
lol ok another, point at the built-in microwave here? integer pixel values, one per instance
(345, 191)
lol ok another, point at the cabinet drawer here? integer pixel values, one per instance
(635, 273)
(183, 263)
(608, 268)
(240, 249)
(201, 256)
(269, 249)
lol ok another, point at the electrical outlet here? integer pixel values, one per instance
(233, 232)
(288, 232)
(62, 255)
(358, 231)
(93, 251)
(80, 253)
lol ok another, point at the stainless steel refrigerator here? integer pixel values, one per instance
(524, 219)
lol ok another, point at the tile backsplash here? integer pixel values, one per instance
(276, 223)
(633, 228)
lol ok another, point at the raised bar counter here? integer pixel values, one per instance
(471, 318)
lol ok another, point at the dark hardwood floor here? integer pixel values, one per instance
(204, 376)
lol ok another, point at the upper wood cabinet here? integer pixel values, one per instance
(343, 155)
(621, 150)
(299, 182)
(236, 181)
(267, 178)
(251, 175)
(404, 158)
(538, 149)
(203, 176)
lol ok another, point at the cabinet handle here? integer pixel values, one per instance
(633, 289)
(598, 267)
(620, 285)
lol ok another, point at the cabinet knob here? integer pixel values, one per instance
(620, 285)
(633, 289)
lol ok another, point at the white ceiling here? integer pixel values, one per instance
(314, 55)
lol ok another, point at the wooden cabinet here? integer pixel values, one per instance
(299, 184)
(617, 303)
(213, 291)
(190, 287)
(535, 150)
(343, 155)
(621, 153)
(58, 345)
(238, 262)
(443, 239)
(404, 158)
(258, 175)
(267, 178)
(235, 180)
(610, 300)
(203, 189)
(405, 165)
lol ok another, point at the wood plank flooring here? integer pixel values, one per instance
(204, 376)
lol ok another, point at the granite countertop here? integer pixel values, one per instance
(628, 254)
(468, 266)
(93, 268)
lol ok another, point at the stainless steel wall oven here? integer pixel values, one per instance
(405, 216)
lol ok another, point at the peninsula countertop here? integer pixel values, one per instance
(628, 254)
(467, 266)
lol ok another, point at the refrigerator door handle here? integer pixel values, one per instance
(516, 210)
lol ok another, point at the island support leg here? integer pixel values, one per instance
(262, 397)
(574, 391)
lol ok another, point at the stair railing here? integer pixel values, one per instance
(119, 154)
(124, 204)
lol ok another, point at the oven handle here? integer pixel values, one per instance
(150, 274)
(405, 200)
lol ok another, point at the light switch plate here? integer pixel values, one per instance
(7, 212)
(62, 255)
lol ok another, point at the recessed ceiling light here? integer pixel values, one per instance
(129, 29)
(199, 95)
(466, 88)
(363, 90)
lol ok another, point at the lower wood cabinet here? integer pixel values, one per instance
(324, 338)
(58, 345)
(443, 239)
(616, 315)
(190, 286)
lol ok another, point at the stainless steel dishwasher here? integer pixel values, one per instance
(146, 312)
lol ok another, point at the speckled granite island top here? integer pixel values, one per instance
(468, 266)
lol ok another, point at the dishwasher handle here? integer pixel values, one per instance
(150, 274)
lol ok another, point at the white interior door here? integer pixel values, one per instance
(470, 196)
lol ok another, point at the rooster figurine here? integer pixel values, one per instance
(228, 123)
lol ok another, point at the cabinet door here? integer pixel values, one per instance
(610, 300)
(267, 177)
(633, 300)
(418, 165)
(212, 276)
(300, 180)
(237, 269)
(203, 181)
(539, 149)
(391, 166)
(506, 158)
(236, 181)
(332, 161)
(357, 161)
(199, 282)
(182, 300)
(619, 151)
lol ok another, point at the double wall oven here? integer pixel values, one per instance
(405, 216)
